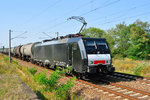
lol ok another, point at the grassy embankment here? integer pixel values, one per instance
(45, 87)
(10, 85)
(130, 66)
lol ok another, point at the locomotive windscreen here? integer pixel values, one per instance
(96, 46)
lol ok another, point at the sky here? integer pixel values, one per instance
(35, 20)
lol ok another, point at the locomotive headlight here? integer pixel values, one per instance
(91, 62)
(107, 61)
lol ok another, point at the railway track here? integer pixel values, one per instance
(145, 80)
(129, 77)
(107, 85)
(130, 92)
(121, 91)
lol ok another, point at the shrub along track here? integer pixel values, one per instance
(113, 90)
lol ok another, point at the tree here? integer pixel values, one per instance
(140, 40)
(121, 38)
(92, 32)
(131, 41)
(110, 38)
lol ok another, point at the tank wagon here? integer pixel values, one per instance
(83, 55)
(6, 50)
(1, 50)
(27, 51)
(17, 52)
(12, 51)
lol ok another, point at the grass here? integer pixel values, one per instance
(32, 70)
(10, 85)
(10, 88)
(130, 66)
(28, 76)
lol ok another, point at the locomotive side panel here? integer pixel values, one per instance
(43, 53)
(48, 54)
(60, 54)
(37, 53)
(76, 58)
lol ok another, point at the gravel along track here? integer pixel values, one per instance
(90, 91)
(145, 80)
(132, 92)
(137, 82)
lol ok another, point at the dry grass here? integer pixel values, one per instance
(10, 85)
(11, 89)
(7, 92)
(132, 66)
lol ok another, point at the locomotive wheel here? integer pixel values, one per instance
(84, 76)
(104, 70)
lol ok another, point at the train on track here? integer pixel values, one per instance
(85, 56)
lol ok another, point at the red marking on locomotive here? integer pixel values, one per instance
(99, 62)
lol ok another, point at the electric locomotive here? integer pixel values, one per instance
(84, 55)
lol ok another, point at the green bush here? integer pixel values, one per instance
(53, 79)
(63, 91)
(138, 69)
(15, 62)
(6, 59)
(41, 77)
(51, 84)
(32, 70)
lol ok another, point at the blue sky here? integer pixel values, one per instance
(33, 17)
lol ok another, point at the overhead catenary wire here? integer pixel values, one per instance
(18, 36)
(79, 7)
(63, 22)
(47, 34)
(58, 24)
(42, 12)
(105, 4)
(129, 10)
(146, 13)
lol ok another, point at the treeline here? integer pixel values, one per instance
(132, 41)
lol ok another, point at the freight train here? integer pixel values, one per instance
(83, 55)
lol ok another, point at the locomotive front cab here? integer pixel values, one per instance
(99, 56)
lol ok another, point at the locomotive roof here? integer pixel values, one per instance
(69, 40)
(88, 38)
